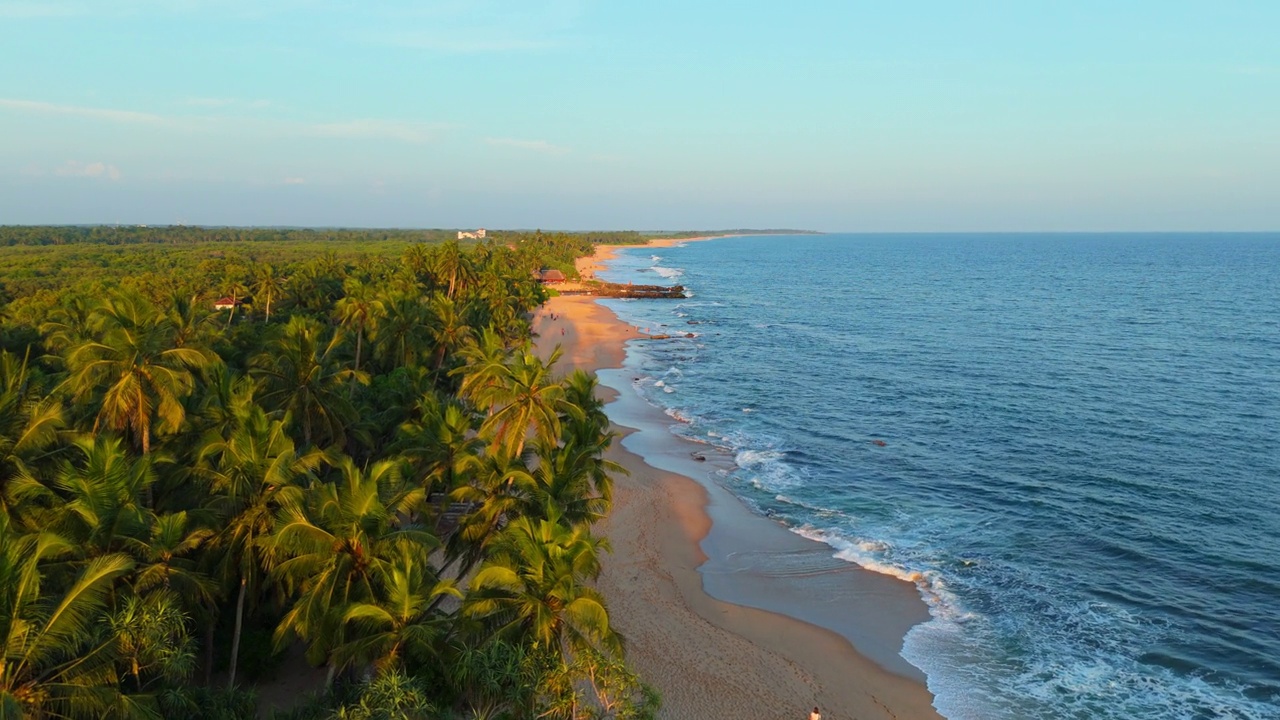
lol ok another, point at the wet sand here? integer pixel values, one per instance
(683, 546)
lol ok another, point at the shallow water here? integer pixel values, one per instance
(1071, 443)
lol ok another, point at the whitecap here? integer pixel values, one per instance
(752, 458)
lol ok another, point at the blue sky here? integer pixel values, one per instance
(576, 114)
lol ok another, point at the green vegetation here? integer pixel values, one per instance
(360, 461)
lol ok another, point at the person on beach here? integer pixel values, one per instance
(815, 715)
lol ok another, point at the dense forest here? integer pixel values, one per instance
(358, 465)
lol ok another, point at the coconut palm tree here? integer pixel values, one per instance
(268, 286)
(57, 661)
(399, 621)
(572, 483)
(452, 268)
(332, 545)
(235, 285)
(247, 471)
(103, 492)
(499, 488)
(68, 324)
(487, 367)
(582, 413)
(191, 318)
(166, 559)
(440, 446)
(132, 365)
(535, 586)
(301, 374)
(359, 310)
(401, 337)
(417, 260)
(449, 330)
(528, 399)
(29, 422)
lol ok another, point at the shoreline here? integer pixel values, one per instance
(727, 613)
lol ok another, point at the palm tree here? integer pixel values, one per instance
(68, 324)
(398, 622)
(57, 663)
(332, 544)
(582, 413)
(528, 400)
(358, 310)
(487, 367)
(191, 319)
(103, 494)
(449, 331)
(401, 336)
(441, 446)
(572, 483)
(300, 374)
(248, 469)
(268, 286)
(417, 260)
(499, 488)
(315, 286)
(165, 559)
(29, 422)
(452, 268)
(535, 586)
(226, 396)
(134, 362)
(234, 285)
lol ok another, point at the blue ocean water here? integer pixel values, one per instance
(1071, 443)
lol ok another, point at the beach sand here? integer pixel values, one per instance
(680, 542)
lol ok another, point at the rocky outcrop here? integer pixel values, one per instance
(617, 290)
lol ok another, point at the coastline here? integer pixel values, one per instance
(728, 613)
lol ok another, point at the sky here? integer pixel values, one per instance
(849, 115)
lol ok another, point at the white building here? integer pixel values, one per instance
(477, 235)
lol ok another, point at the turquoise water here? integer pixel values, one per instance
(1070, 443)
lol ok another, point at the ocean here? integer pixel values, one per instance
(1070, 444)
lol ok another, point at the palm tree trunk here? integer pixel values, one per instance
(235, 642)
(148, 497)
(232, 316)
(359, 344)
(208, 653)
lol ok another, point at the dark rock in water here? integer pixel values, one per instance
(879, 443)
(690, 335)
(619, 290)
(699, 458)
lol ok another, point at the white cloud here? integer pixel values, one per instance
(468, 43)
(120, 116)
(75, 168)
(295, 181)
(211, 102)
(75, 8)
(367, 129)
(20, 10)
(411, 132)
(541, 146)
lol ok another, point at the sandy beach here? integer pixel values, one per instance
(683, 545)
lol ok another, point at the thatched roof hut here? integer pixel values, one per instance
(551, 276)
